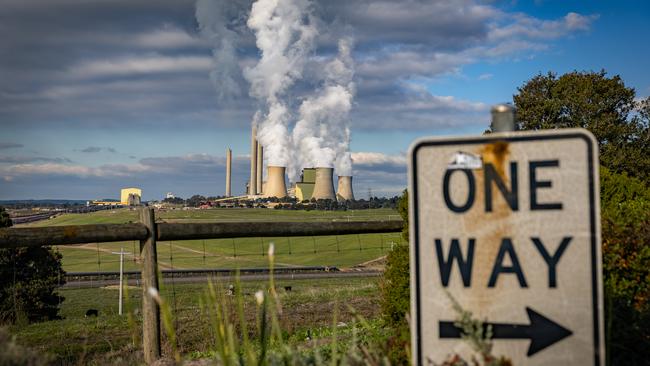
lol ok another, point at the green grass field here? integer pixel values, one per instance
(109, 338)
(340, 251)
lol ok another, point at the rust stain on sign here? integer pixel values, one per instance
(491, 227)
(496, 153)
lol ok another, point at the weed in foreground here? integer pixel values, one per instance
(267, 343)
(236, 343)
(478, 336)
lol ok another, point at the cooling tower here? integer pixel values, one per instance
(260, 167)
(275, 185)
(228, 171)
(344, 190)
(252, 183)
(324, 186)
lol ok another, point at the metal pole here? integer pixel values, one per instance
(121, 279)
(503, 118)
(121, 253)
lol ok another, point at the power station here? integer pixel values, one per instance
(315, 182)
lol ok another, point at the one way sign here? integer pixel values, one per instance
(508, 225)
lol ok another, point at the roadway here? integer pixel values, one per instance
(168, 279)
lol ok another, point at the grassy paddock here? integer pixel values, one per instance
(341, 251)
(109, 337)
(124, 215)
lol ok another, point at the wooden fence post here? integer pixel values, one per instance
(150, 309)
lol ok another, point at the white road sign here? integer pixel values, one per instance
(508, 225)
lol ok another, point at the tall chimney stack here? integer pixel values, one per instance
(260, 167)
(275, 184)
(344, 189)
(324, 186)
(228, 171)
(252, 184)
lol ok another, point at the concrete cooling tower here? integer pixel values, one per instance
(324, 185)
(275, 185)
(344, 190)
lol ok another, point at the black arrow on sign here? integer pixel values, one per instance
(541, 331)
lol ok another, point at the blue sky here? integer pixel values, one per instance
(96, 96)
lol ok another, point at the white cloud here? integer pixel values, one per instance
(190, 164)
(375, 158)
(167, 37)
(485, 76)
(575, 21)
(55, 169)
(528, 27)
(140, 65)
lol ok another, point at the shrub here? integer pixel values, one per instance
(28, 278)
(625, 211)
(395, 292)
(12, 353)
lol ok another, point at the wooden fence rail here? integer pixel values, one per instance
(147, 231)
(104, 233)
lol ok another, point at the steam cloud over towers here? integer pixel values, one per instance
(312, 133)
(322, 134)
(284, 32)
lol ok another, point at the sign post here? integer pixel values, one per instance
(508, 226)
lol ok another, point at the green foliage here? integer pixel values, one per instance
(12, 353)
(28, 278)
(395, 292)
(478, 336)
(235, 343)
(607, 108)
(625, 211)
(591, 100)
(5, 221)
(403, 209)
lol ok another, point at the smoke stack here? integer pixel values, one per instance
(275, 185)
(252, 183)
(228, 171)
(344, 190)
(260, 167)
(324, 186)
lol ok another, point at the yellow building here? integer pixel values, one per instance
(305, 188)
(124, 196)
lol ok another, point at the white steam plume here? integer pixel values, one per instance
(214, 26)
(322, 134)
(285, 32)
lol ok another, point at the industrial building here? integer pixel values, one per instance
(305, 188)
(130, 196)
(315, 182)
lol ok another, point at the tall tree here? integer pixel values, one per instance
(601, 104)
(607, 108)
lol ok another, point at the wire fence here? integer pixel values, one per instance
(337, 250)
